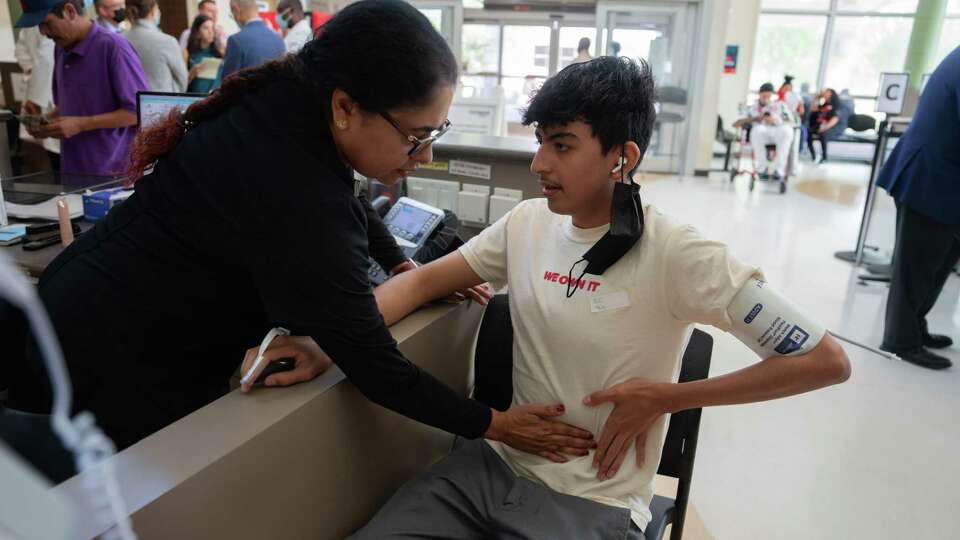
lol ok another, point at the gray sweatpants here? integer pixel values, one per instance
(472, 494)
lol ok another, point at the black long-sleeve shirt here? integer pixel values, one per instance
(251, 222)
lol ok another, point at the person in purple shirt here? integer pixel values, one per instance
(95, 81)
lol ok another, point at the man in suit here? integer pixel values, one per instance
(923, 176)
(254, 44)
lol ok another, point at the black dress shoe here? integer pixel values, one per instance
(936, 341)
(921, 357)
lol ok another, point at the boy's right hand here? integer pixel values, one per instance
(530, 428)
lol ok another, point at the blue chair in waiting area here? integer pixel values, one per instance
(493, 374)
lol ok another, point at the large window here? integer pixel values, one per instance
(512, 57)
(481, 56)
(864, 47)
(788, 44)
(878, 6)
(840, 44)
(802, 5)
(525, 67)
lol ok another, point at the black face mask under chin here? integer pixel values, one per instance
(119, 15)
(626, 228)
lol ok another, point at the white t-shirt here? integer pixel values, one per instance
(775, 109)
(566, 348)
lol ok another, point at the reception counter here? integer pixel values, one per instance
(315, 460)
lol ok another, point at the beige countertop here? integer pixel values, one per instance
(248, 465)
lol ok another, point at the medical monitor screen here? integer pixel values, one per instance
(154, 106)
(409, 221)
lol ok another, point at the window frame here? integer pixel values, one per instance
(832, 13)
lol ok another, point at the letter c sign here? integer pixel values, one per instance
(892, 92)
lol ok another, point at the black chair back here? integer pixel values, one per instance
(861, 122)
(493, 359)
(681, 439)
(680, 447)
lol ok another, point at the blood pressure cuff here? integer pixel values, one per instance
(770, 324)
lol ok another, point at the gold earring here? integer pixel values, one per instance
(342, 124)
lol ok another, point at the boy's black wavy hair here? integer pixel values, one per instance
(613, 95)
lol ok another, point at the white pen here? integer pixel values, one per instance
(278, 331)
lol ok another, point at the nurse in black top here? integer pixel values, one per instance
(244, 218)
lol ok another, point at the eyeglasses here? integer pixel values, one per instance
(418, 143)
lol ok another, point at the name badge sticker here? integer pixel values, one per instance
(609, 302)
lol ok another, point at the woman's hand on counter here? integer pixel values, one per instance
(309, 361)
(531, 428)
(480, 293)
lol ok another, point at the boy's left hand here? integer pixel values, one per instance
(636, 406)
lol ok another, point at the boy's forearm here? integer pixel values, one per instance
(404, 293)
(772, 378)
(399, 296)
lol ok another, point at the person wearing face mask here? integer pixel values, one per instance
(244, 217)
(293, 24)
(254, 44)
(111, 14)
(159, 53)
(96, 77)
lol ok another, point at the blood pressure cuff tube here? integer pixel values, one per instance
(770, 324)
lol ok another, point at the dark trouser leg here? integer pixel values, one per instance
(823, 146)
(923, 250)
(939, 280)
(813, 155)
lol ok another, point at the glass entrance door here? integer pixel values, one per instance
(662, 34)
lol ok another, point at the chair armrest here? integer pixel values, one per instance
(663, 511)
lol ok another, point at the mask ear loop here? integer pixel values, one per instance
(576, 284)
(623, 171)
(633, 201)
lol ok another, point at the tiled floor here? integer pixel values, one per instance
(874, 458)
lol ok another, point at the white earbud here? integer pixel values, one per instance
(620, 164)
